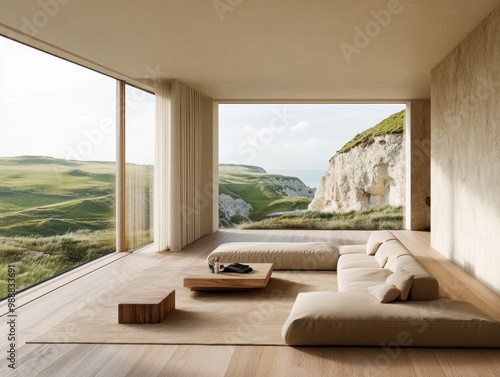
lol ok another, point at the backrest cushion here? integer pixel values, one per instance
(376, 239)
(425, 287)
(382, 262)
(391, 250)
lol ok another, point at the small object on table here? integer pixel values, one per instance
(214, 266)
(238, 268)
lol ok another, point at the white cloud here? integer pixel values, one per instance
(301, 126)
(310, 143)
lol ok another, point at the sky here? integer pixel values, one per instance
(282, 137)
(50, 107)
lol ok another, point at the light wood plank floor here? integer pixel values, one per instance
(40, 308)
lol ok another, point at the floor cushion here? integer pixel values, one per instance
(358, 319)
(283, 255)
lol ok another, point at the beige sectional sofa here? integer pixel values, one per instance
(357, 270)
(385, 297)
(371, 309)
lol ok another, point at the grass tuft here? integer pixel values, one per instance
(392, 125)
(369, 219)
(39, 258)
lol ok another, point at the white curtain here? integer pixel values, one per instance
(181, 179)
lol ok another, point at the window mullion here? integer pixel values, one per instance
(120, 166)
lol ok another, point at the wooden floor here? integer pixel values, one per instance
(45, 305)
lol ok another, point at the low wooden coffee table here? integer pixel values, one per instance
(200, 279)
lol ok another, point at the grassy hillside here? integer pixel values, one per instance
(44, 196)
(55, 214)
(40, 183)
(392, 125)
(39, 258)
(65, 217)
(253, 185)
(369, 219)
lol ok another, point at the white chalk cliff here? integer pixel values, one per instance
(229, 207)
(368, 175)
(291, 186)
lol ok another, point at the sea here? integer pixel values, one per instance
(310, 177)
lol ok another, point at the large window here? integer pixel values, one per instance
(58, 164)
(312, 166)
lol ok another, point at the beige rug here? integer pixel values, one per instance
(251, 318)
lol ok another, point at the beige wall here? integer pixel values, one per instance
(465, 153)
(418, 165)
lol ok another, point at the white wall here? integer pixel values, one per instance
(465, 153)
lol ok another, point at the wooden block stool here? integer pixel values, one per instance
(146, 307)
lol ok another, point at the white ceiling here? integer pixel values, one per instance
(257, 49)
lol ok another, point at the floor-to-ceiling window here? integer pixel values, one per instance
(58, 163)
(312, 166)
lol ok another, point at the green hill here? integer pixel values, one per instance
(391, 125)
(263, 191)
(61, 218)
(55, 214)
(46, 196)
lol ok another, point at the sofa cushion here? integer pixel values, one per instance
(348, 319)
(425, 286)
(402, 280)
(384, 292)
(283, 255)
(381, 262)
(376, 239)
(351, 249)
(391, 250)
(372, 247)
(359, 279)
(356, 261)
